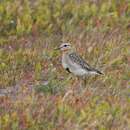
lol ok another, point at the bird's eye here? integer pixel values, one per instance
(65, 45)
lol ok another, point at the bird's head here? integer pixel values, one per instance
(65, 47)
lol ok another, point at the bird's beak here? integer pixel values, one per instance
(58, 48)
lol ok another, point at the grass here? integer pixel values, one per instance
(33, 83)
(35, 69)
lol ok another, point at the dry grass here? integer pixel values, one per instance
(36, 92)
(39, 84)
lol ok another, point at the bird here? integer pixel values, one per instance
(74, 63)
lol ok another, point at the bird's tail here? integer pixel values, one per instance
(98, 72)
(95, 71)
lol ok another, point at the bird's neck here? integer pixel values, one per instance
(67, 52)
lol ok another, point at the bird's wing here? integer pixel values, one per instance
(78, 59)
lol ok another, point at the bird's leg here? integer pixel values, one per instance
(84, 84)
(74, 86)
(84, 81)
(79, 86)
(80, 83)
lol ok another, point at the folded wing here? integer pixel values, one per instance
(79, 60)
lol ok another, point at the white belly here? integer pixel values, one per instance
(73, 67)
(79, 72)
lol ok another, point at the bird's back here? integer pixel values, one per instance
(78, 65)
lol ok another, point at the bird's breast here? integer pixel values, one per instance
(73, 67)
(64, 62)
